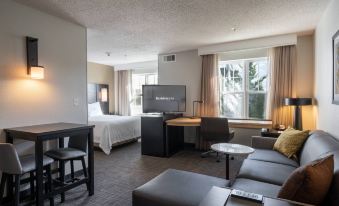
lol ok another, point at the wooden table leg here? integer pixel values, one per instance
(227, 166)
(39, 172)
(90, 162)
(62, 168)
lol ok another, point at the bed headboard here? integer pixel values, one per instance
(94, 95)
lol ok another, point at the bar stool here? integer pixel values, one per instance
(76, 150)
(13, 165)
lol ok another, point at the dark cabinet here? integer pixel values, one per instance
(154, 141)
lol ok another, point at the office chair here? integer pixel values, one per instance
(76, 150)
(13, 165)
(215, 130)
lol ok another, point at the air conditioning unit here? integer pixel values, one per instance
(169, 58)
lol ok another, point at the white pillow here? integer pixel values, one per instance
(94, 110)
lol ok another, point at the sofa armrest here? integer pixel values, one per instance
(263, 142)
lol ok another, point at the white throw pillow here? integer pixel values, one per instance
(94, 110)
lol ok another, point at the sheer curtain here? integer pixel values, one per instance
(209, 86)
(122, 92)
(283, 65)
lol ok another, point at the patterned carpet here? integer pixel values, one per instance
(117, 174)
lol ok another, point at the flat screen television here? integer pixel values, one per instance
(163, 98)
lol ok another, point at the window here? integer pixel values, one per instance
(137, 81)
(244, 88)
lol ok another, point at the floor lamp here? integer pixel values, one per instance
(298, 102)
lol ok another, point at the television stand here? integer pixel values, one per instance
(154, 141)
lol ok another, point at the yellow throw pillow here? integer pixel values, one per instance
(290, 142)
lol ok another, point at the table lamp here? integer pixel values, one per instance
(297, 102)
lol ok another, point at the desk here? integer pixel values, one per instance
(41, 133)
(233, 123)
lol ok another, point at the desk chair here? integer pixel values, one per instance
(13, 165)
(76, 150)
(215, 130)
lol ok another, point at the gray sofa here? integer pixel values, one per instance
(262, 172)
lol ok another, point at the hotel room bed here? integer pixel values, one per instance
(113, 129)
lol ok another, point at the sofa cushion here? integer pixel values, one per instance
(175, 187)
(266, 189)
(272, 156)
(332, 197)
(309, 183)
(268, 172)
(317, 144)
(290, 142)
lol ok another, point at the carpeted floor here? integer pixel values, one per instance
(117, 174)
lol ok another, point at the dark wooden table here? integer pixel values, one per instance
(44, 132)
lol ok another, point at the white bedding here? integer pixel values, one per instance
(111, 129)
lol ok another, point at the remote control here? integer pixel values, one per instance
(247, 195)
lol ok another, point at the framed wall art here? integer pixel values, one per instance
(335, 51)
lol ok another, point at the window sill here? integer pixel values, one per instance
(249, 124)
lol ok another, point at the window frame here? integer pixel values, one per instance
(133, 97)
(245, 87)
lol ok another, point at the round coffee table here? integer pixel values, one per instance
(231, 149)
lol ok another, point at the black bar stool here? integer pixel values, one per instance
(76, 150)
(13, 165)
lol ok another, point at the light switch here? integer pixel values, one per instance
(76, 101)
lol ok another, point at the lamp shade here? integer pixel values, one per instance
(104, 95)
(37, 72)
(297, 101)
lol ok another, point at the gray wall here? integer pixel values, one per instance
(186, 70)
(328, 113)
(62, 50)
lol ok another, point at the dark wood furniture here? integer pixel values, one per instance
(218, 196)
(44, 132)
(76, 151)
(271, 133)
(155, 139)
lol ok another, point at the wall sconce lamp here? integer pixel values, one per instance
(33, 68)
(104, 94)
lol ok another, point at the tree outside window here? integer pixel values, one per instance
(244, 88)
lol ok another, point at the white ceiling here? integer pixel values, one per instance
(139, 30)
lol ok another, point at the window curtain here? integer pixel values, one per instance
(122, 92)
(209, 86)
(209, 92)
(283, 65)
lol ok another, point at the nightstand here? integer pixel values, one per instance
(271, 133)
